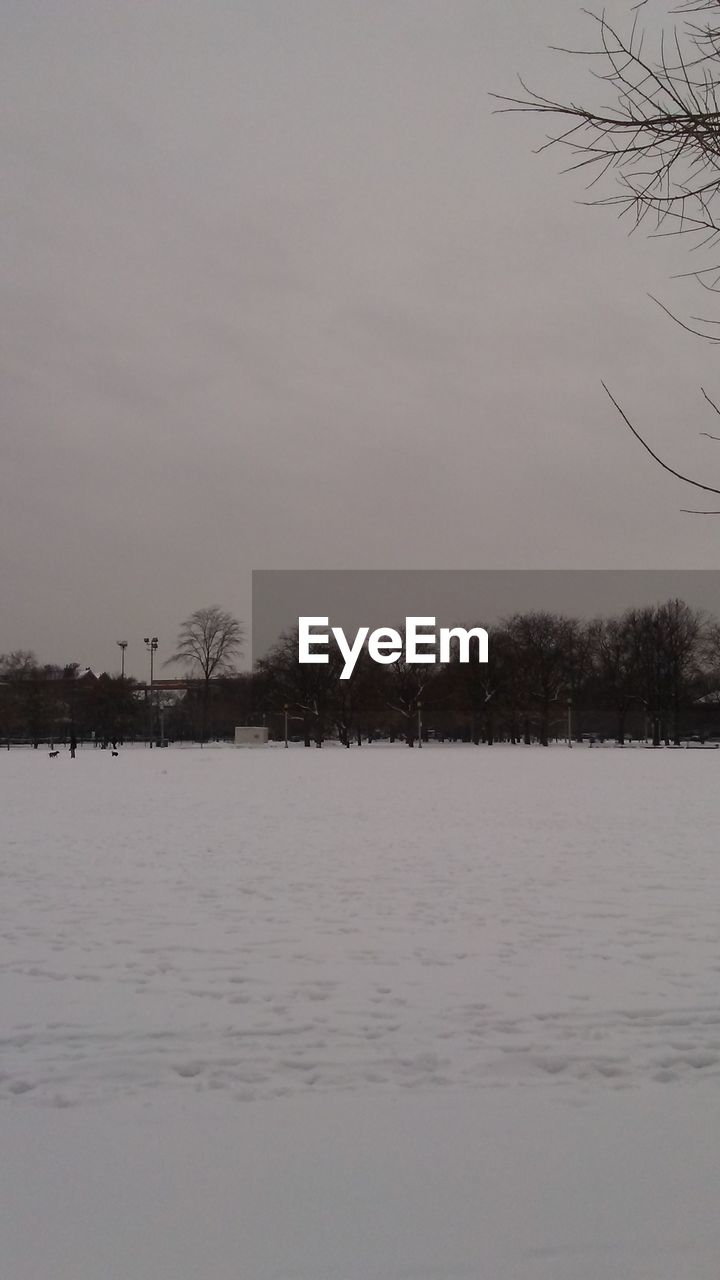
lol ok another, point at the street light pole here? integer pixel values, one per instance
(419, 707)
(151, 645)
(123, 644)
(286, 724)
(569, 721)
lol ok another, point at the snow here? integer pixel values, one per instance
(373, 1014)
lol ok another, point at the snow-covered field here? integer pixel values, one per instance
(374, 1014)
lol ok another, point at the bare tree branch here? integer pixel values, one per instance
(662, 136)
(697, 484)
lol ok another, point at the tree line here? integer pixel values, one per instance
(46, 702)
(649, 673)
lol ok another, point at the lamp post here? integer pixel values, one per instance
(569, 722)
(123, 644)
(286, 723)
(419, 709)
(151, 644)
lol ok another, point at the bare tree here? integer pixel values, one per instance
(309, 692)
(615, 666)
(544, 645)
(208, 642)
(659, 138)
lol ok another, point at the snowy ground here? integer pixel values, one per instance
(360, 1015)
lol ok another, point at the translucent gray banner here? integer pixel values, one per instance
(461, 597)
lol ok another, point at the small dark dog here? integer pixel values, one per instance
(115, 753)
(53, 754)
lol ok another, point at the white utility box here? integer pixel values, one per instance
(250, 735)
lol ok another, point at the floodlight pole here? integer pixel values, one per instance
(151, 645)
(123, 644)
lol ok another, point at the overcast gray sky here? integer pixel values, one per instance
(280, 291)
